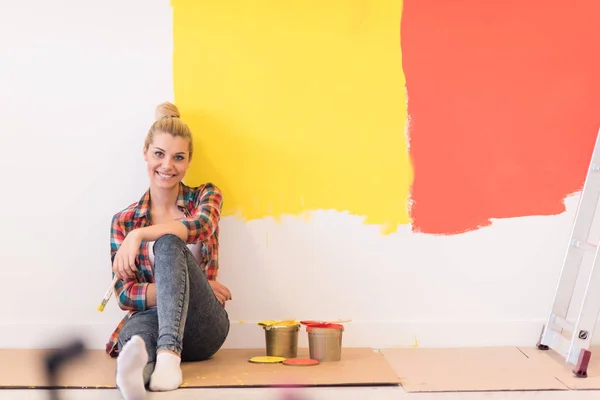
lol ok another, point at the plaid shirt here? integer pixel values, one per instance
(202, 209)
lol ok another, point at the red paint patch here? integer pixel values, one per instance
(300, 362)
(504, 104)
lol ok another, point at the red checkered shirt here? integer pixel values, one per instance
(202, 209)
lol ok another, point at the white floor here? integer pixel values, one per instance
(353, 393)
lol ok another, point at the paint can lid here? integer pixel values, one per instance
(266, 359)
(282, 323)
(324, 325)
(300, 362)
(312, 322)
(336, 321)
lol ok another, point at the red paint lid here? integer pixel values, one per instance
(299, 362)
(324, 325)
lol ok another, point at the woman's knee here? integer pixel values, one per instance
(143, 324)
(168, 242)
(202, 347)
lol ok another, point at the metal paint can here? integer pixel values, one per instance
(282, 341)
(325, 343)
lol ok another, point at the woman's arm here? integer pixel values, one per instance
(204, 221)
(130, 294)
(196, 228)
(153, 232)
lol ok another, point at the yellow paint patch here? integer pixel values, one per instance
(416, 343)
(286, 322)
(296, 106)
(266, 359)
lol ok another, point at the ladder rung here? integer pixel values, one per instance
(564, 324)
(557, 341)
(562, 345)
(580, 244)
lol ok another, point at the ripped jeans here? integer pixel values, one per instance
(188, 318)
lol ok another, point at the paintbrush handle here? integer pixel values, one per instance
(110, 290)
(112, 287)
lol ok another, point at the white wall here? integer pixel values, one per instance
(78, 86)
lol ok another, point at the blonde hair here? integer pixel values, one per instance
(169, 121)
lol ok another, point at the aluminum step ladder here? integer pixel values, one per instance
(572, 338)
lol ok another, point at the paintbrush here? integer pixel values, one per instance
(335, 321)
(108, 293)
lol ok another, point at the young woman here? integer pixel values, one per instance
(164, 250)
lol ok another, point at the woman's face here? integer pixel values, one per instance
(167, 159)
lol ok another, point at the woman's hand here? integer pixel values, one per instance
(223, 294)
(124, 264)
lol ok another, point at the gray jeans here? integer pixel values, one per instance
(188, 318)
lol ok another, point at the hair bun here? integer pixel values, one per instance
(166, 110)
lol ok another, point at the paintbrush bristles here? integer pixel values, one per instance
(103, 304)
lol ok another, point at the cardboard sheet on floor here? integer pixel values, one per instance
(24, 368)
(468, 369)
(556, 366)
(228, 368)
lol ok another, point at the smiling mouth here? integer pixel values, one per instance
(164, 176)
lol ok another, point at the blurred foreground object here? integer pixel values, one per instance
(56, 360)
